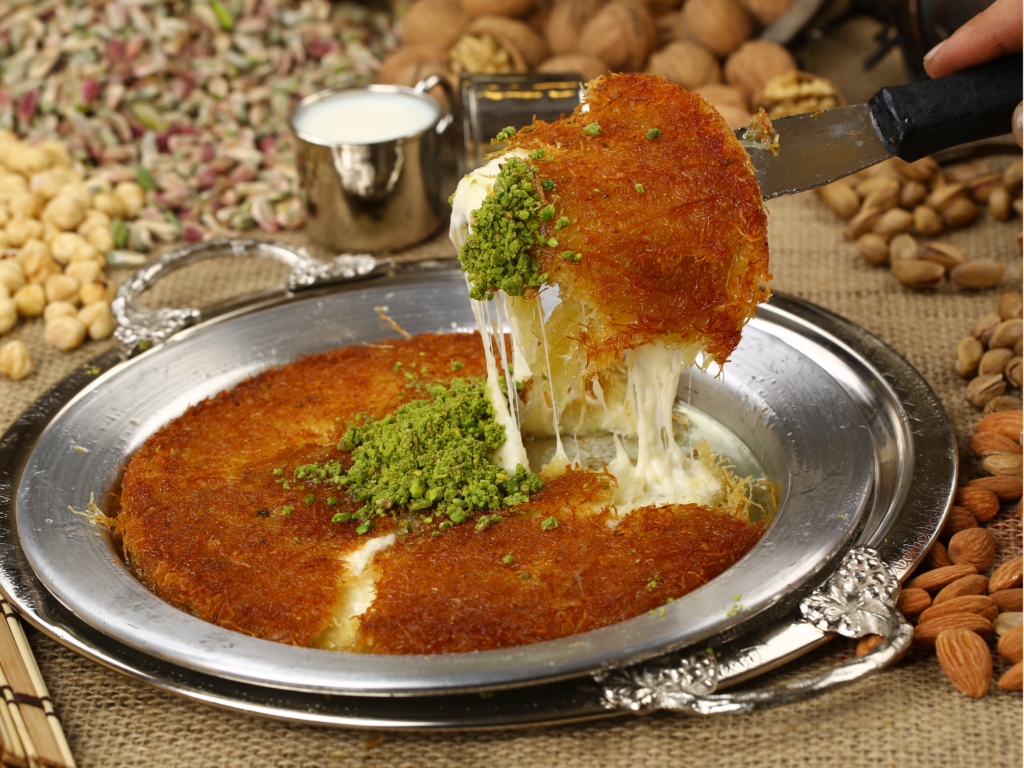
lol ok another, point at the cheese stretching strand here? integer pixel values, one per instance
(642, 209)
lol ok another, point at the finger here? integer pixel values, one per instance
(992, 33)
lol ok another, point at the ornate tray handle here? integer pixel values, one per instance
(136, 324)
(858, 599)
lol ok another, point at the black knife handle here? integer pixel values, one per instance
(921, 118)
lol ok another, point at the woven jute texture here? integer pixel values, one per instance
(905, 717)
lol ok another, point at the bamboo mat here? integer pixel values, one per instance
(905, 717)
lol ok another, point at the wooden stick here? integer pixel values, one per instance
(22, 748)
(45, 733)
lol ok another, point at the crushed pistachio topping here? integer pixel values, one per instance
(593, 129)
(429, 454)
(653, 134)
(504, 135)
(639, 188)
(549, 524)
(505, 228)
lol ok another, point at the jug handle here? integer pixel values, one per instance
(427, 84)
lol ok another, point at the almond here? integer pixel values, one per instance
(938, 556)
(1009, 599)
(1008, 575)
(1009, 646)
(1011, 679)
(867, 644)
(958, 519)
(933, 581)
(1006, 488)
(968, 585)
(912, 601)
(980, 502)
(926, 633)
(966, 660)
(986, 443)
(964, 604)
(975, 546)
(1007, 423)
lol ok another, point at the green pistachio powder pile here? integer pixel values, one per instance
(435, 454)
(430, 454)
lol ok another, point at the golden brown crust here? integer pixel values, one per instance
(687, 255)
(194, 528)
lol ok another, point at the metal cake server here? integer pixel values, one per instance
(906, 121)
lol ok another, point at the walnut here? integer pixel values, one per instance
(397, 66)
(796, 92)
(622, 35)
(514, 8)
(767, 11)
(433, 22)
(730, 102)
(586, 67)
(756, 62)
(567, 18)
(721, 25)
(687, 63)
(526, 46)
(480, 54)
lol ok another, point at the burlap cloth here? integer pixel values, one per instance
(905, 717)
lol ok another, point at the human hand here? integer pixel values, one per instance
(994, 32)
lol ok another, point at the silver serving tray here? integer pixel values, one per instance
(858, 443)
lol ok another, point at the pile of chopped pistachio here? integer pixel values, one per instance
(429, 455)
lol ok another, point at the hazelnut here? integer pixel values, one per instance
(751, 66)
(93, 220)
(30, 301)
(767, 11)
(86, 271)
(70, 246)
(27, 160)
(12, 274)
(59, 308)
(65, 333)
(46, 184)
(721, 25)
(622, 35)
(39, 266)
(15, 360)
(61, 288)
(110, 204)
(58, 153)
(24, 206)
(101, 239)
(405, 66)
(8, 315)
(98, 320)
(20, 231)
(132, 197)
(687, 63)
(92, 292)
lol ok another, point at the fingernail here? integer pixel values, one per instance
(928, 56)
